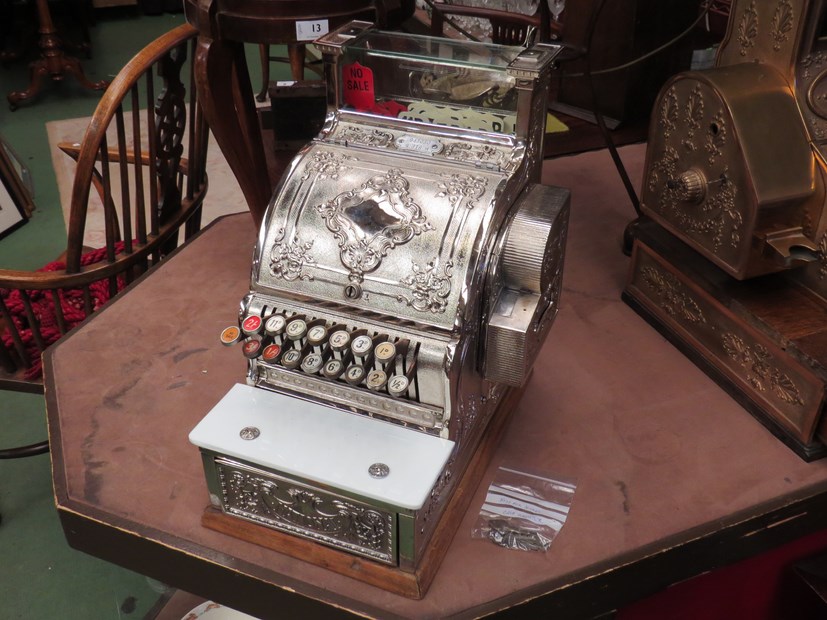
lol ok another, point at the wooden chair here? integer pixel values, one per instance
(507, 28)
(148, 173)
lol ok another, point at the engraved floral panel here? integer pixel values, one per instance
(300, 510)
(483, 153)
(358, 135)
(694, 114)
(458, 186)
(429, 286)
(326, 165)
(761, 369)
(669, 112)
(287, 259)
(716, 136)
(748, 28)
(675, 301)
(371, 220)
(822, 257)
(783, 20)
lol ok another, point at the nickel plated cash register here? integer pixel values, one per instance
(406, 275)
(732, 262)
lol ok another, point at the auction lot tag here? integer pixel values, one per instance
(309, 30)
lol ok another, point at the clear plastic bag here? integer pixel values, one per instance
(524, 510)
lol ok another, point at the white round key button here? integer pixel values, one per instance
(361, 345)
(296, 329)
(398, 385)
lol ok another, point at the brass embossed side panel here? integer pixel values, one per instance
(780, 386)
(281, 504)
(767, 31)
(695, 134)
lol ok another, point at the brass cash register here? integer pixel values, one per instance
(406, 274)
(732, 262)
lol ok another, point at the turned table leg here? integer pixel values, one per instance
(226, 95)
(53, 62)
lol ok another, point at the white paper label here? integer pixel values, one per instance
(309, 30)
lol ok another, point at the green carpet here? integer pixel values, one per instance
(41, 577)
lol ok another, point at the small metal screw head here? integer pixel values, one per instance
(379, 470)
(249, 433)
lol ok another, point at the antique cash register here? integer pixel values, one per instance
(405, 277)
(732, 262)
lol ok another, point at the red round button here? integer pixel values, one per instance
(271, 352)
(251, 325)
(251, 348)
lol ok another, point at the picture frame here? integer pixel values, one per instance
(16, 202)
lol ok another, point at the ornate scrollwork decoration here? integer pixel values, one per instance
(669, 112)
(371, 220)
(716, 136)
(326, 164)
(484, 153)
(458, 186)
(761, 374)
(675, 301)
(170, 121)
(694, 114)
(782, 22)
(286, 506)
(821, 252)
(430, 287)
(748, 28)
(813, 82)
(436, 496)
(812, 61)
(723, 202)
(287, 260)
(713, 217)
(374, 137)
(663, 169)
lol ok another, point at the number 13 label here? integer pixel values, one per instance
(309, 30)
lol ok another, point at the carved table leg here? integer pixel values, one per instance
(53, 62)
(226, 96)
(264, 54)
(297, 53)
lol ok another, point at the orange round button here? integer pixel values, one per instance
(230, 335)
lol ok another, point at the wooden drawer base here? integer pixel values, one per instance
(762, 340)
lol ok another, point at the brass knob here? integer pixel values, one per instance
(690, 186)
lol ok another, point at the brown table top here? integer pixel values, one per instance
(673, 477)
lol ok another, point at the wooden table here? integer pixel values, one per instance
(53, 63)
(674, 478)
(224, 81)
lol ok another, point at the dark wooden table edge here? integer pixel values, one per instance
(620, 580)
(630, 577)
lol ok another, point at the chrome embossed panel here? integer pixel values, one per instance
(352, 228)
(291, 507)
(501, 154)
(376, 275)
